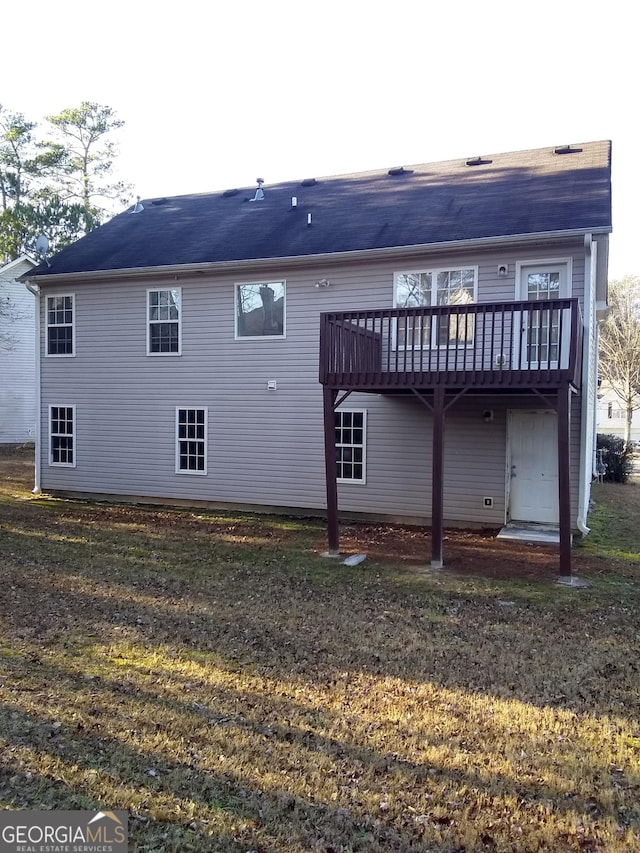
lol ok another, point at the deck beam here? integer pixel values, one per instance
(564, 478)
(331, 470)
(437, 478)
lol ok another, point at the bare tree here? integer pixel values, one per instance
(620, 346)
(9, 313)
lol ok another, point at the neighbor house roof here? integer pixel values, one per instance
(547, 190)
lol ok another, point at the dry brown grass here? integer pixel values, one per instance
(236, 692)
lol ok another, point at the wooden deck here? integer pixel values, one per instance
(493, 346)
(442, 352)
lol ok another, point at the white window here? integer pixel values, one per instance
(164, 322)
(432, 288)
(60, 325)
(615, 412)
(191, 441)
(260, 310)
(62, 436)
(350, 429)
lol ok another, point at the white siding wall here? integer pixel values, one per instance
(265, 447)
(611, 421)
(17, 363)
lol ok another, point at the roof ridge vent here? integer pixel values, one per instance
(259, 196)
(159, 201)
(566, 149)
(399, 170)
(229, 193)
(308, 182)
(478, 161)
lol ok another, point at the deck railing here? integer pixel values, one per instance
(497, 344)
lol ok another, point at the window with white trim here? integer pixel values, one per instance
(62, 436)
(434, 287)
(60, 325)
(164, 322)
(350, 427)
(191, 441)
(260, 310)
(615, 412)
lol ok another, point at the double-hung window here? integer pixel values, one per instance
(436, 287)
(62, 436)
(60, 325)
(191, 441)
(350, 434)
(260, 310)
(164, 319)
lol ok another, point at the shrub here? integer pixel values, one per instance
(617, 459)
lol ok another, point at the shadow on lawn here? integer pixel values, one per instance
(72, 752)
(78, 583)
(290, 624)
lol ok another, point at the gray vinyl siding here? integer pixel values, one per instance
(265, 448)
(475, 464)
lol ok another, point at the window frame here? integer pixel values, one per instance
(72, 434)
(262, 283)
(151, 322)
(204, 441)
(433, 343)
(363, 446)
(543, 265)
(72, 325)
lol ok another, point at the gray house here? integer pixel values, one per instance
(418, 344)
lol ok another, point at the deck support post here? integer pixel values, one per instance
(564, 478)
(331, 470)
(437, 478)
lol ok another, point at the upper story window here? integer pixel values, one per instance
(431, 288)
(260, 310)
(60, 325)
(164, 319)
(536, 280)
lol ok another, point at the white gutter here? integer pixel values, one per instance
(586, 449)
(304, 260)
(33, 288)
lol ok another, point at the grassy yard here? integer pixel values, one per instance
(234, 691)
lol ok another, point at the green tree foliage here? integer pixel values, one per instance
(620, 346)
(57, 187)
(85, 159)
(18, 171)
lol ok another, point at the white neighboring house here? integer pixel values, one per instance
(611, 414)
(17, 359)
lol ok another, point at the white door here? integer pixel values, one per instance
(540, 342)
(533, 466)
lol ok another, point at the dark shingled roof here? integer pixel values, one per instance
(525, 192)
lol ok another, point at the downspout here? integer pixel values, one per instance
(586, 453)
(35, 289)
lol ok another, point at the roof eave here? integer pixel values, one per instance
(304, 260)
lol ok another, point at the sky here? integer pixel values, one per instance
(215, 95)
